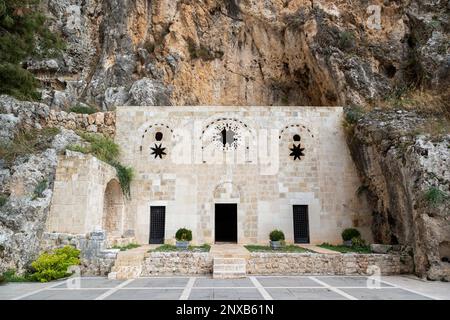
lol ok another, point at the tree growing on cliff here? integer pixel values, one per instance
(23, 34)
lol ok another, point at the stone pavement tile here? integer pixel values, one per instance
(209, 282)
(225, 294)
(146, 294)
(93, 283)
(384, 294)
(158, 282)
(76, 294)
(12, 290)
(287, 282)
(347, 281)
(304, 294)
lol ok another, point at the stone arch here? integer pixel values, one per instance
(113, 209)
(227, 191)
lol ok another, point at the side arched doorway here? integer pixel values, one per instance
(113, 208)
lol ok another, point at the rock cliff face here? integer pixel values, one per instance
(406, 174)
(243, 52)
(247, 52)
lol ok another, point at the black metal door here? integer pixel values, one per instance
(301, 224)
(157, 224)
(226, 227)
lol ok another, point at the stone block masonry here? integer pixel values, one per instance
(177, 263)
(96, 258)
(328, 264)
(186, 263)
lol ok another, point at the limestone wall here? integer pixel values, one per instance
(328, 264)
(324, 178)
(185, 263)
(177, 263)
(101, 122)
(96, 258)
(78, 196)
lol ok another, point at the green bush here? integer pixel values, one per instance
(183, 235)
(346, 40)
(11, 276)
(105, 149)
(125, 176)
(353, 114)
(18, 82)
(3, 200)
(54, 265)
(23, 34)
(2, 279)
(83, 109)
(435, 196)
(350, 233)
(39, 189)
(276, 235)
(358, 242)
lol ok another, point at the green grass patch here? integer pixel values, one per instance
(3, 200)
(288, 248)
(26, 142)
(105, 149)
(345, 249)
(434, 196)
(171, 248)
(127, 246)
(11, 276)
(39, 189)
(83, 109)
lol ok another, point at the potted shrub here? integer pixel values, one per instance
(276, 239)
(183, 237)
(348, 235)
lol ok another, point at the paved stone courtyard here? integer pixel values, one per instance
(251, 288)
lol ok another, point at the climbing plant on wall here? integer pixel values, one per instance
(107, 150)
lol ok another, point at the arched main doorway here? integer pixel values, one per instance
(113, 209)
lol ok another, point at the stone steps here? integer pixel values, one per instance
(229, 261)
(128, 264)
(225, 268)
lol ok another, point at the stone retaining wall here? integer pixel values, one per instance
(36, 115)
(101, 122)
(328, 264)
(96, 259)
(184, 263)
(177, 263)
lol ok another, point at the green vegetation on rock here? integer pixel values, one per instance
(23, 34)
(105, 149)
(127, 246)
(83, 109)
(26, 142)
(434, 196)
(39, 189)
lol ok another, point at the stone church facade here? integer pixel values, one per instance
(230, 174)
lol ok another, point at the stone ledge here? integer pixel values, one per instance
(185, 263)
